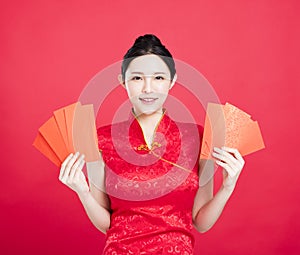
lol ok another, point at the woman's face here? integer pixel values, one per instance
(147, 81)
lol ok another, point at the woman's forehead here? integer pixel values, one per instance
(148, 64)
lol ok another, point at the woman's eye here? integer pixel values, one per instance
(136, 78)
(159, 78)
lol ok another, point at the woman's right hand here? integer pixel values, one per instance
(71, 173)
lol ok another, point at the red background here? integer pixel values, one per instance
(248, 50)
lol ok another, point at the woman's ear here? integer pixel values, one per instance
(173, 81)
(120, 78)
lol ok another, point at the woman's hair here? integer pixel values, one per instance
(145, 45)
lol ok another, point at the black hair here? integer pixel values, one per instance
(145, 45)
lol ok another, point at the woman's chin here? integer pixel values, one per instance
(147, 111)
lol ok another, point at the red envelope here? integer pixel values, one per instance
(59, 116)
(69, 118)
(41, 144)
(71, 128)
(50, 131)
(84, 133)
(214, 130)
(226, 125)
(252, 133)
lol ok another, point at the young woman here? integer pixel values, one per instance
(149, 197)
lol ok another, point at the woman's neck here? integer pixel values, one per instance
(149, 123)
(150, 120)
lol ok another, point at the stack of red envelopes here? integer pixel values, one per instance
(70, 129)
(226, 125)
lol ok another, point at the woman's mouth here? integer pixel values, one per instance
(148, 100)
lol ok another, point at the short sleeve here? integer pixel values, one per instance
(200, 133)
(206, 166)
(96, 169)
(104, 135)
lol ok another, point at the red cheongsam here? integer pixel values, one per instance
(151, 190)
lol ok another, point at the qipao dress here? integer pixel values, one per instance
(151, 190)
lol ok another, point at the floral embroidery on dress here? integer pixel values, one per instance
(151, 190)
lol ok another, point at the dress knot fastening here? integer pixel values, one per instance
(144, 147)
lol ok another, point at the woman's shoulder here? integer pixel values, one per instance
(107, 133)
(190, 128)
(109, 128)
(104, 130)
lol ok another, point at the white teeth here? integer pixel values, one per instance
(148, 99)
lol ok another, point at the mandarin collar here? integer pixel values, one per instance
(137, 135)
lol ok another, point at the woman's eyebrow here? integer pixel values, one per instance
(143, 73)
(159, 73)
(137, 72)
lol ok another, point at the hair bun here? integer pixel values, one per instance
(149, 39)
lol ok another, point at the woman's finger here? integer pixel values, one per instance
(69, 166)
(63, 166)
(235, 152)
(228, 169)
(78, 171)
(75, 167)
(224, 156)
(230, 156)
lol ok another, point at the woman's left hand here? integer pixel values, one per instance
(232, 162)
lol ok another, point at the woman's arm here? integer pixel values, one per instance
(99, 215)
(208, 208)
(94, 201)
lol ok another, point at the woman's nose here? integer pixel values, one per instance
(147, 88)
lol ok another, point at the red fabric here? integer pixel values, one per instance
(151, 190)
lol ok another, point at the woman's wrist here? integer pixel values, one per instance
(226, 190)
(84, 195)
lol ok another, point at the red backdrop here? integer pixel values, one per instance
(248, 50)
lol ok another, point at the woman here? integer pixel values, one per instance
(149, 198)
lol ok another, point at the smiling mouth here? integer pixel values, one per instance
(148, 100)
